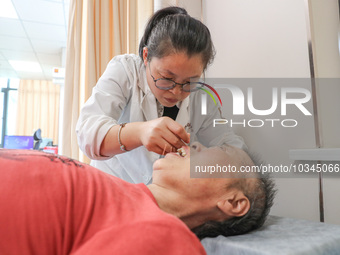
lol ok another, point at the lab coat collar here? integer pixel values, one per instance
(149, 106)
(183, 113)
(143, 83)
(148, 101)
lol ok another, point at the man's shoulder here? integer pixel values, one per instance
(168, 226)
(167, 234)
(160, 234)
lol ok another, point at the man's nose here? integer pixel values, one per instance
(196, 146)
(176, 90)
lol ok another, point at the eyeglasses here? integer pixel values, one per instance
(167, 84)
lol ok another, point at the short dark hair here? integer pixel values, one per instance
(172, 30)
(261, 198)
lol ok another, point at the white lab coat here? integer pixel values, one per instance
(122, 95)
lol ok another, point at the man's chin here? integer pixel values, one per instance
(156, 165)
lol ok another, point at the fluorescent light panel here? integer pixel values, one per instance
(26, 66)
(7, 10)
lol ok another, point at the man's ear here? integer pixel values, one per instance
(145, 55)
(235, 205)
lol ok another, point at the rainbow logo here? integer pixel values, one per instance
(209, 93)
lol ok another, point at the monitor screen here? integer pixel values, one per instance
(18, 142)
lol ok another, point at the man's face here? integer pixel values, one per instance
(173, 171)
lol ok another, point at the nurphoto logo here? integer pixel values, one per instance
(280, 99)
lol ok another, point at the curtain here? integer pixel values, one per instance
(38, 107)
(98, 30)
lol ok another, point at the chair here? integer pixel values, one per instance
(37, 138)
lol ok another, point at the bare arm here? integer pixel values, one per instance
(159, 135)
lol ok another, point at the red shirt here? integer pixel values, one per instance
(55, 205)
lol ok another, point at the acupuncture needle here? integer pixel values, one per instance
(164, 149)
(187, 126)
(162, 156)
(187, 144)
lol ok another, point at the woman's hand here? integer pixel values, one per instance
(163, 135)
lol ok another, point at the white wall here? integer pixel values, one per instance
(268, 39)
(192, 6)
(325, 20)
(325, 27)
(261, 38)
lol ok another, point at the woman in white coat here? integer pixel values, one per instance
(139, 109)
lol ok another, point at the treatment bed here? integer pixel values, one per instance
(280, 236)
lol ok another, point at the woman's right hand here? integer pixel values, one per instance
(163, 135)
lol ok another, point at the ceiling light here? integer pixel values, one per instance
(25, 66)
(7, 9)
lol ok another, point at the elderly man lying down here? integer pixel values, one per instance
(55, 205)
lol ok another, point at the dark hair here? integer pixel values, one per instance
(172, 30)
(261, 197)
